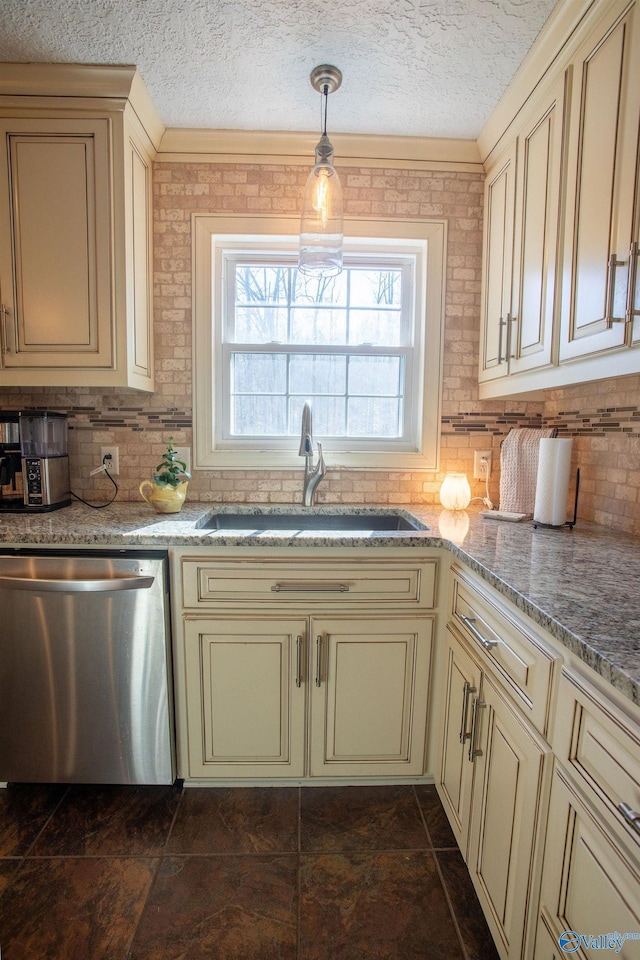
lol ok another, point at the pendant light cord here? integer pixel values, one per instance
(325, 94)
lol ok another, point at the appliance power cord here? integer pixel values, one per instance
(99, 506)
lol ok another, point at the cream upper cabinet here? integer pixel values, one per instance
(498, 254)
(56, 258)
(522, 198)
(602, 163)
(75, 245)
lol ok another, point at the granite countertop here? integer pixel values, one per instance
(582, 586)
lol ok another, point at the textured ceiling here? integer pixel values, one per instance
(432, 68)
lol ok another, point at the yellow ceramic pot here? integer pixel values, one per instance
(165, 499)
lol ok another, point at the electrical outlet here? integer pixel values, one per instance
(184, 454)
(113, 466)
(481, 464)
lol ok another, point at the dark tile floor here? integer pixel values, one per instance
(156, 873)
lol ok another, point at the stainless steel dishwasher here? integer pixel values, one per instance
(85, 676)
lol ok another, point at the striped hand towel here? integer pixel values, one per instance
(519, 468)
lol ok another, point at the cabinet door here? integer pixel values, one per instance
(539, 169)
(496, 273)
(369, 692)
(455, 773)
(589, 885)
(245, 697)
(507, 793)
(602, 158)
(55, 244)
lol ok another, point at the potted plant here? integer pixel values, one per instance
(170, 481)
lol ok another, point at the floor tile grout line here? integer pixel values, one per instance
(451, 907)
(154, 879)
(299, 881)
(421, 815)
(173, 820)
(48, 820)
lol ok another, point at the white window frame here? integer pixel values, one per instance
(424, 240)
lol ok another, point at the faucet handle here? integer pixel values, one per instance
(321, 466)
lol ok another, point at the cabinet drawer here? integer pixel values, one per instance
(600, 745)
(282, 583)
(519, 658)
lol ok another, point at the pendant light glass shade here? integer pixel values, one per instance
(321, 224)
(321, 230)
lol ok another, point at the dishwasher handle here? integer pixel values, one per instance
(75, 586)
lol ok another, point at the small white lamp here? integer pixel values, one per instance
(455, 492)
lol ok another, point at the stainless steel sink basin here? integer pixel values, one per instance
(310, 521)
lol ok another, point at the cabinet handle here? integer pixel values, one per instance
(631, 816)
(612, 263)
(298, 661)
(501, 325)
(466, 690)
(318, 660)
(631, 284)
(309, 588)
(511, 320)
(3, 325)
(473, 750)
(470, 622)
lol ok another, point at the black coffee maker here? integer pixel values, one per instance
(11, 477)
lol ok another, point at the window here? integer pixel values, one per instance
(363, 347)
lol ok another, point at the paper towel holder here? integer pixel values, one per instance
(568, 523)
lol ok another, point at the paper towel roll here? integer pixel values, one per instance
(552, 484)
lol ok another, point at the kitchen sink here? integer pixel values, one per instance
(310, 521)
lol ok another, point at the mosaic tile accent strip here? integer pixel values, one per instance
(578, 423)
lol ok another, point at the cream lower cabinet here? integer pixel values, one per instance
(250, 682)
(492, 776)
(591, 874)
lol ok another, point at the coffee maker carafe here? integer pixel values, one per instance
(11, 480)
(45, 461)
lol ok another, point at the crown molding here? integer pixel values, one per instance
(549, 54)
(52, 83)
(260, 146)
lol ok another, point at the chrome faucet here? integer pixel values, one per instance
(312, 475)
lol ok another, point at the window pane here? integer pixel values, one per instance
(319, 325)
(263, 285)
(317, 375)
(329, 290)
(329, 418)
(258, 373)
(374, 417)
(260, 325)
(373, 376)
(382, 328)
(376, 288)
(258, 416)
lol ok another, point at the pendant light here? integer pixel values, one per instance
(321, 221)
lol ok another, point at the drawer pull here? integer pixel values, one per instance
(631, 816)
(318, 660)
(471, 623)
(310, 587)
(298, 661)
(473, 750)
(466, 690)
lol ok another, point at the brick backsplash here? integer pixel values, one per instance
(139, 424)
